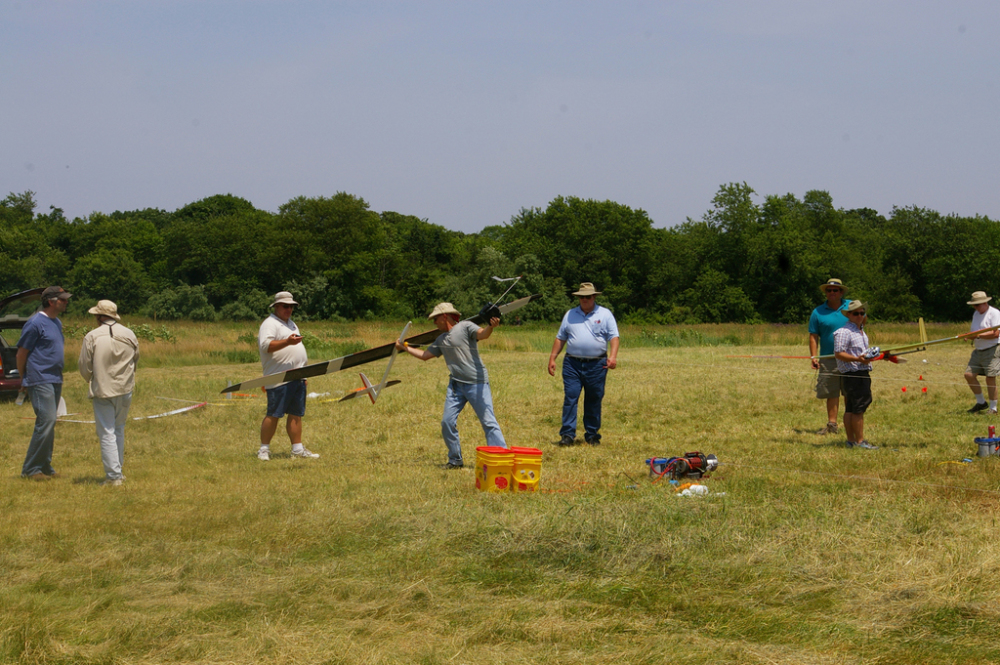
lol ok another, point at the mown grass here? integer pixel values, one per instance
(372, 554)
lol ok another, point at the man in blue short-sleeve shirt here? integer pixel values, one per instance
(590, 335)
(823, 322)
(40, 364)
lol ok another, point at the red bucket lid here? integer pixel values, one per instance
(493, 450)
(526, 451)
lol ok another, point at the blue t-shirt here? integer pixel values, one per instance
(587, 335)
(43, 338)
(824, 322)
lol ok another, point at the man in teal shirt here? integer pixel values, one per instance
(824, 321)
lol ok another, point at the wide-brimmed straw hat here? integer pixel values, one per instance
(283, 298)
(855, 305)
(444, 308)
(832, 282)
(105, 308)
(979, 297)
(587, 289)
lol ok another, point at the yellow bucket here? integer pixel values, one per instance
(527, 471)
(493, 467)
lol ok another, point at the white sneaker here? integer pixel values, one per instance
(264, 455)
(304, 453)
(114, 483)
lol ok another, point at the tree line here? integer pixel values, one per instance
(743, 261)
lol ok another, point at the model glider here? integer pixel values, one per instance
(374, 391)
(892, 354)
(375, 353)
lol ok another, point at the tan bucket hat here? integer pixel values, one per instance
(444, 308)
(832, 282)
(854, 306)
(979, 297)
(105, 308)
(587, 289)
(283, 298)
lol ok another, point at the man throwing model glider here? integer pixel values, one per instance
(469, 382)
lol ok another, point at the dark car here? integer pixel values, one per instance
(14, 313)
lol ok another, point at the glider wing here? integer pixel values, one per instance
(362, 357)
(891, 354)
(920, 346)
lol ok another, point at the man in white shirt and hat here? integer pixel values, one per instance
(851, 348)
(985, 360)
(281, 349)
(108, 358)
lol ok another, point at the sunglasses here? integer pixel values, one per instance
(834, 290)
(862, 313)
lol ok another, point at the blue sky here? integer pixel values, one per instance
(463, 113)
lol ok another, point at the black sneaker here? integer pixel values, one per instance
(596, 441)
(449, 466)
(979, 407)
(567, 441)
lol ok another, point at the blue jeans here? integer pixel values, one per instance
(481, 399)
(588, 377)
(45, 402)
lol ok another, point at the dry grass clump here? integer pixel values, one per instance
(373, 554)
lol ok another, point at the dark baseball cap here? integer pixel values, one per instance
(54, 292)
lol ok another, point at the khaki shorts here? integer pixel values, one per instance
(985, 362)
(828, 383)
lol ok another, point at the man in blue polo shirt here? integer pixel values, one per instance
(40, 364)
(823, 322)
(590, 334)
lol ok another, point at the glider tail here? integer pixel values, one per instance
(372, 392)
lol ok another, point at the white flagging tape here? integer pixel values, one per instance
(158, 415)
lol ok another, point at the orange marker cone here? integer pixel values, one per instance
(904, 389)
(921, 378)
(924, 389)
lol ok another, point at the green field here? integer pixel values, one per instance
(806, 553)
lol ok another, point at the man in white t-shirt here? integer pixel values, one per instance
(280, 346)
(985, 360)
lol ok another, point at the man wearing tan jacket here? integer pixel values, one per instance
(107, 361)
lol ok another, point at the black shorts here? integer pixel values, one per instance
(857, 390)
